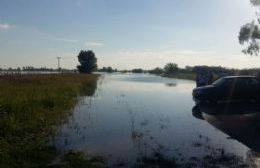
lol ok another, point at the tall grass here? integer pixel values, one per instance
(31, 106)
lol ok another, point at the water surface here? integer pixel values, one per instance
(134, 115)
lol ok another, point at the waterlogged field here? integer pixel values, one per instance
(120, 120)
(31, 109)
(140, 120)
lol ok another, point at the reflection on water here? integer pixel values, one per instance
(136, 120)
(240, 121)
(88, 89)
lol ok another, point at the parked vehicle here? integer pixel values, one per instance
(229, 88)
(241, 121)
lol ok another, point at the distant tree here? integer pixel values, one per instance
(189, 68)
(138, 70)
(103, 69)
(88, 61)
(124, 71)
(110, 69)
(170, 68)
(107, 69)
(250, 33)
(156, 70)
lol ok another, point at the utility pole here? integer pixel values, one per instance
(59, 63)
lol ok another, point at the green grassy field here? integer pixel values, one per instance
(31, 108)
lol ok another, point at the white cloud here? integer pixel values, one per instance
(5, 26)
(67, 40)
(94, 44)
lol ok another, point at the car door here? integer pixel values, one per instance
(241, 89)
(236, 89)
(247, 88)
(252, 88)
(225, 91)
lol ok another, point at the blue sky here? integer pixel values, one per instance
(124, 34)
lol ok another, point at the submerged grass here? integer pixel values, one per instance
(31, 107)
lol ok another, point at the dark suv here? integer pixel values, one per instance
(229, 88)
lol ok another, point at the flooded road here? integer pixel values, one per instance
(132, 116)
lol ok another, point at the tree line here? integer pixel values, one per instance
(173, 68)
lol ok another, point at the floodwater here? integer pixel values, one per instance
(132, 116)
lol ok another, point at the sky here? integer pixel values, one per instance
(124, 34)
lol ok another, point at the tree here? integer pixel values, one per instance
(110, 69)
(170, 68)
(88, 61)
(138, 70)
(156, 70)
(250, 33)
(107, 69)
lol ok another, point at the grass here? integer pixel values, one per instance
(186, 75)
(74, 159)
(31, 107)
(216, 159)
(181, 75)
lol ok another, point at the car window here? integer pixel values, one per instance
(229, 82)
(244, 82)
(240, 82)
(223, 82)
(219, 82)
